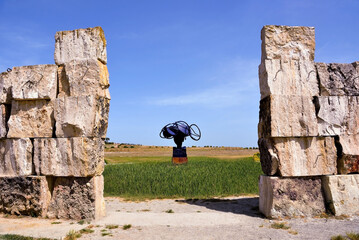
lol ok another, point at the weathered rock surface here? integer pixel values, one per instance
(24, 195)
(285, 42)
(306, 156)
(281, 197)
(4, 116)
(86, 77)
(77, 198)
(5, 87)
(83, 116)
(16, 157)
(338, 79)
(34, 82)
(80, 44)
(287, 116)
(78, 157)
(288, 77)
(31, 119)
(337, 115)
(342, 193)
(348, 164)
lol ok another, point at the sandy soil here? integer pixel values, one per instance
(229, 218)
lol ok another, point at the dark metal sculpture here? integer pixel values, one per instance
(179, 131)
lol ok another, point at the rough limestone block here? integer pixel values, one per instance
(31, 119)
(306, 156)
(5, 87)
(83, 116)
(80, 44)
(342, 193)
(288, 77)
(16, 157)
(34, 82)
(281, 197)
(24, 195)
(287, 116)
(285, 42)
(4, 116)
(77, 198)
(348, 164)
(89, 77)
(78, 157)
(337, 115)
(338, 79)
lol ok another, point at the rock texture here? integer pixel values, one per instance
(80, 44)
(348, 164)
(4, 117)
(287, 116)
(5, 87)
(78, 157)
(298, 156)
(86, 77)
(77, 198)
(24, 196)
(338, 79)
(342, 193)
(16, 157)
(90, 120)
(288, 77)
(31, 119)
(284, 42)
(337, 115)
(280, 197)
(34, 82)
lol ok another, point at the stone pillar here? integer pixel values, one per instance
(53, 120)
(308, 125)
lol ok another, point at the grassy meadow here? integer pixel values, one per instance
(143, 175)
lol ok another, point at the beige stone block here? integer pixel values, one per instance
(342, 193)
(78, 157)
(24, 195)
(290, 197)
(31, 119)
(16, 157)
(5, 87)
(287, 116)
(338, 79)
(80, 44)
(34, 82)
(306, 156)
(77, 198)
(288, 42)
(83, 116)
(86, 77)
(288, 77)
(337, 115)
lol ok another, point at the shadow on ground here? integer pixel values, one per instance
(246, 206)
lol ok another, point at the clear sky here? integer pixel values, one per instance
(175, 60)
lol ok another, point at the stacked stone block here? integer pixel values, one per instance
(53, 119)
(308, 128)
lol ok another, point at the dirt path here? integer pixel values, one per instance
(230, 218)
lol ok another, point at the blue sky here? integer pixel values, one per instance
(178, 60)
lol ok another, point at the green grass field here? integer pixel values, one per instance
(138, 178)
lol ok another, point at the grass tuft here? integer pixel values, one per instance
(127, 226)
(279, 225)
(353, 236)
(72, 235)
(111, 226)
(20, 237)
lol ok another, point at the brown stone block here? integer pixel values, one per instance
(77, 198)
(291, 197)
(24, 195)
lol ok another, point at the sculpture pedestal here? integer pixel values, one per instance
(179, 155)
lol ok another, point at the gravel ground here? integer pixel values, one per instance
(227, 218)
